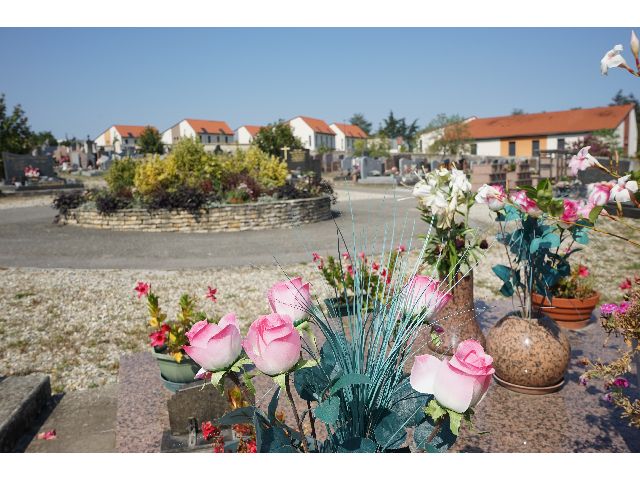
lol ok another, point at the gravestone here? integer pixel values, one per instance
(302, 161)
(15, 164)
(346, 163)
(370, 165)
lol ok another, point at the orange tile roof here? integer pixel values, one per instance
(351, 130)
(209, 126)
(130, 130)
(252, 129)
(549, 123)
(318, 126)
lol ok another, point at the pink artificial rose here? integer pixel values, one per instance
(424, 293)
(215, 347)
(570, 214)
(600, 194)
(459, 383)
(492, 195)
(581, 161)
(273, 344)
(525, 204)
(584, 209)
(291, 298)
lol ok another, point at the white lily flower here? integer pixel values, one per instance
(622, 191)
(611, 59)
(459, 181)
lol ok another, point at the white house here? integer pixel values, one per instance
(120, 139)
(428, 137)
(246, 133)
(347, 135)
(211, 133)
(313, 133)
(527, 134)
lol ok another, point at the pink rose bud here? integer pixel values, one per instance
(458, 383)
(493, 196)
(215, 347)
(423, 292)
(273, 344)
(600, 194)
(525, 204)
(291, 298)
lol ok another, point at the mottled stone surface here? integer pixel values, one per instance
(528, 352)
(458, 319)
(142, 415)
(222, 218)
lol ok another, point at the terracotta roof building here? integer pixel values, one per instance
(314, 134)
(525, 135)
(213, 134)
(347, 135)
(246, 133)
(121, 139)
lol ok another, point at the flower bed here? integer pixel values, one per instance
(222, 218)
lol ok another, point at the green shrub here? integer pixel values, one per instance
(121, 174)
(156, 174)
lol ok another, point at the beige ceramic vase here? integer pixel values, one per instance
(457, 319)
(529, 355)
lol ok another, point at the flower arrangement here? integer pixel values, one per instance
(444, 198)
(340, 275)
(540, 246)
(172, 337)
(578, 284)
(31, 172)
(355, 382)
(621, 319)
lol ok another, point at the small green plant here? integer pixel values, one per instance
(120, 176)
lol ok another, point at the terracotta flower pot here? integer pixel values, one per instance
(571, 313)
(458, 319)
(530, 355)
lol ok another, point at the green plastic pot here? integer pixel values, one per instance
(175, 372)
(338, 308)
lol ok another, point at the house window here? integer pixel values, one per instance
(474, 148)
(535, 148)
(512, 149)
(218, 139)
(561, 144)
(309, 140)
(208, 138)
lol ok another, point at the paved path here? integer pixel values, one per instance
(28, 238)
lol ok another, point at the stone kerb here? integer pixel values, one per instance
(223, 218)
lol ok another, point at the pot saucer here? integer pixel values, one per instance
(529, 390)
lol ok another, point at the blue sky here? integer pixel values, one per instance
(79, 81)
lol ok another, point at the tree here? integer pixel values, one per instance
(517, 111)
(393, 127)
(621, 99)
(359, 120)
(150, 141)
(276, 136)
(602, 142)
(451, 135)
(43, 138)
(360, 147)
(379, 146)
(15, 133)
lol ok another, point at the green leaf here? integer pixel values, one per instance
(302, 363)
(239, 415)
(594, 214)
(441, 442)
(435, 339)
(281, 380)
(216, 380)
(358, 445)
(328, 411)
(454, 421)
(349, 379)
(507, 289)
(434, 410)
(390, 431)
(580, 235)
(502, 271)
(247, 379)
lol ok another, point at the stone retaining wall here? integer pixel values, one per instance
(225, 218)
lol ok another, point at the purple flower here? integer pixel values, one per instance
(608, 308)
(623, 307)
(607, 397)
(583, 381)
(621, 382)
(438, 329)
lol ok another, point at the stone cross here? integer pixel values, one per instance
(285, 150)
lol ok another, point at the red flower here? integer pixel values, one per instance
(362, 257)
(583, 271)
(157, 338)
(401, 249)
(346, 256)
(143, 289)
(50, 435)
(251, 446)
(209, 430)
(211, 294)
(350, 270)
(316, 256)
(626, 284)
(375, 266)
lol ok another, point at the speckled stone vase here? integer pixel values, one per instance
(529, 355)
(458, 319)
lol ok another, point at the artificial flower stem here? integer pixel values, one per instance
(312, 420)
(305, 445)
(434, 432)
